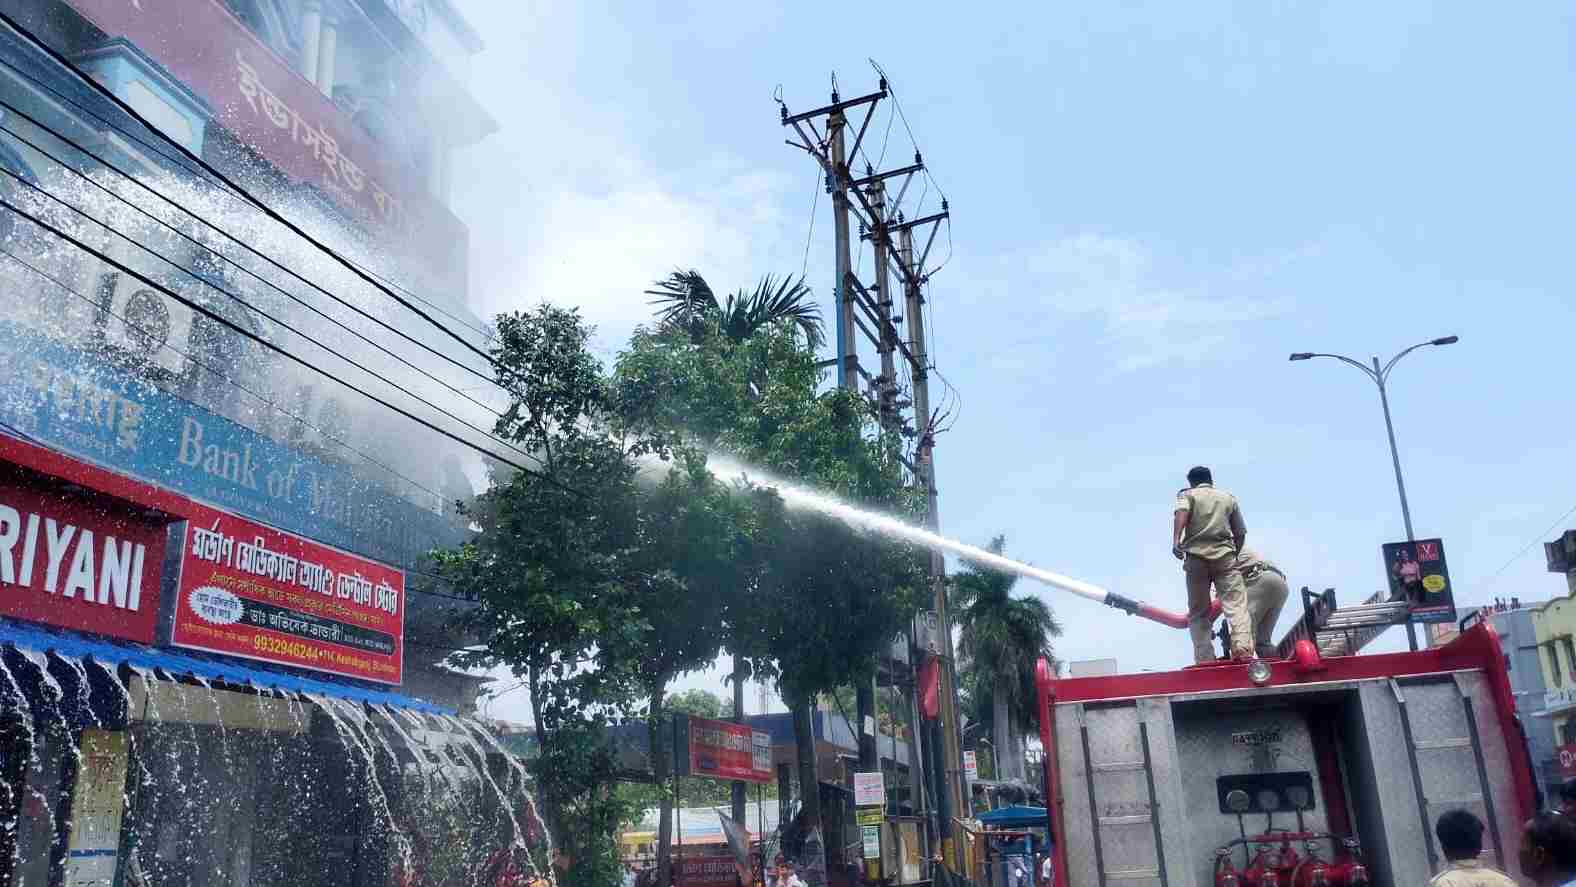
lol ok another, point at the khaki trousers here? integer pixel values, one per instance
(1266, 597)
(1222, 573)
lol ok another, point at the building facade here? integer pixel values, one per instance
(221, 656)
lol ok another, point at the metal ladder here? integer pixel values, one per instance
(1342, 631)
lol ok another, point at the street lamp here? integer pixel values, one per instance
(1380, 375)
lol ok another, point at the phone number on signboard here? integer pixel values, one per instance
(293, 649)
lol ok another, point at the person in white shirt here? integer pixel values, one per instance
(1461, 841)
(1047, 872)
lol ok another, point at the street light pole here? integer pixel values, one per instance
(1381, 375)
(1395, 456)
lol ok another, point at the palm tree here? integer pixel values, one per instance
(1001, 638)
(686, 303)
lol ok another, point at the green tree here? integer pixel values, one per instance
(600, 573)
(688, 305)
(828, 598)
(1001, 638)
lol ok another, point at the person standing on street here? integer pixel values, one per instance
(1461, 840)
(1206, 533)
(1548, 850)
(1267, 593)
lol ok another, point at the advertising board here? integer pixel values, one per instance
(249, 590)
(76, 560)
(1418, 575)
(870, 789)
(725, 750)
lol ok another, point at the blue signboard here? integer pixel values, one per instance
(67, 399)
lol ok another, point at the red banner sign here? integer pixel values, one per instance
(253, 591)
(76, 560)
(258, 97)
(725, 750)
(1567, 760)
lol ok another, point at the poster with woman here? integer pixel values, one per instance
(1417, 574)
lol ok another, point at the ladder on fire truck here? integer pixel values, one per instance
(1342, 631)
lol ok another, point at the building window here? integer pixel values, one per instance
(1570, 654)
(1556, 677)
(1568, 732)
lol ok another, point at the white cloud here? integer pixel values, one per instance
(1146, 321)
(599, 247)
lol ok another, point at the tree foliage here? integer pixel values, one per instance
(627, 558)
(1001, 638)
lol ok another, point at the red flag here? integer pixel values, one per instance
(930, 687)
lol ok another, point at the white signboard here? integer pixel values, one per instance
(971, 766)
(96, 810)
(761, 750)
(871, 835)
(869, 789)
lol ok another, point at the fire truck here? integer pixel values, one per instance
(1317, 769)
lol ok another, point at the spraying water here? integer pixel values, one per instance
(726, 468)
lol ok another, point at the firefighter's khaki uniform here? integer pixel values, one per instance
(1209, 542)
(1267, 592)
(1471, 873)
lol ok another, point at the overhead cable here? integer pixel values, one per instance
(237, 328)
(270, 212)
(205, 222)
(249, 306)
(237, 298)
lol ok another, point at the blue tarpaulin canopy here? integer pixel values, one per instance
(1017, 816)
(112, 653)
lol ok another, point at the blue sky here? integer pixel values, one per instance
(1153, 205)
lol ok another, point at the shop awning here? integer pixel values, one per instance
(112, 654)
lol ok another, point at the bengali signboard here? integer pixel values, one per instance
(270, 107)
(1418, 576)
(70, 400)
(250, 590)
(710, 869)
(90, 563)
(971, 766)
(725, 750)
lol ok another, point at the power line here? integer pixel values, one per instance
(234, 327)
(62, 285)
(273, 214)
(235, 191)
(815, 201)
(298, 300)
(210, 225)
(1525, 548)
(320, 344)
(261, 399)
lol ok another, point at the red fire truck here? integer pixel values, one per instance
(1314, 770)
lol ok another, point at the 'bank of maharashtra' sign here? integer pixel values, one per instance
(77, 562)
(71, 401)
(250, 590)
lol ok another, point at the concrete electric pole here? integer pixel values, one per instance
(870, 199)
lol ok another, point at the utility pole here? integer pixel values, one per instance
(847, 347)
(886, 345)
(871, 199)
(952, 795)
